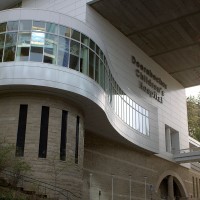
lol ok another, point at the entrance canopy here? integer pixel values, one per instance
(168, 31)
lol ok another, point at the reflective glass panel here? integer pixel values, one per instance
(37, 39)
(50, 49)
(2, 39)
(63, 52)
(23, 46)
(64, 31)
(52, 28)
(75, 35)
(92, 44)
(84, 39)
(11, 39)
(38, 26)
(84, 60)
(36, 54)
(91, 64)
(102, 75)
(74, 55)
(25, 25)
(9, 54)
(1, 54)
(3, 27)
(97, 69)
(12, 26)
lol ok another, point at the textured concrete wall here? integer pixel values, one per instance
(65, 174)
(105, 158)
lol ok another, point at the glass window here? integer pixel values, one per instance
(101, 54)
(64, 31)
(52, 28)
(140, 122)
(137, 120)
(38, 26)
(10, 46)
(11, 39)
(75, 35)
(97, 70)
(25, 25)
(84, 39)
(147, 126)
(36, 54)
(9, 54)
(3, 27)
(63, 51)
(37, 39)
(92, 44)
(91, 64)
(144, 123)
(23, 46)
(134, 119)
(102, 75)
(37, 44)
(2, 39)
(84, 60)
(131, 116)
(97, 50)
(50, 49)
(12, 26)
(1, 54)
(74, 55)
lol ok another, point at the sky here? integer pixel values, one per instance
(192, 91)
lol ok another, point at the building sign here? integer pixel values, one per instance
(149, 82)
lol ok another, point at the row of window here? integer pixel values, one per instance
(46, 42)
(43, 141)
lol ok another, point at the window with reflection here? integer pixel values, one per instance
(10, 46)
(46, 42)
(2, 39)
(75, 35)
(64, 31)
(84, 63)
(23, 46)
(52, 28)
(3, 27)
(63, 52)
(25, 25)
(12, 26)
(74, 55)
(50, 49)
(91, 64)
(37, 45)
(38, 26)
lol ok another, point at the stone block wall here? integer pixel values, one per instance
(116, 171)
(65, 174)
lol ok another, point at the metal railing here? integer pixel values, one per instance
(41, 188)
(188, 150)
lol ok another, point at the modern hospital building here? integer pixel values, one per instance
(92, 93)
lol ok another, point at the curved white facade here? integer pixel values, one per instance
(136, 139)
(60, 78)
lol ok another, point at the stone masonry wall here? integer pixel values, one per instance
(106, 161)
(64, 174)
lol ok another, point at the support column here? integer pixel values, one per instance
(170, 188)
(168, 140)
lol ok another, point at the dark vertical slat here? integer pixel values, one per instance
(77, 139)
(21, 130)
(44, 132)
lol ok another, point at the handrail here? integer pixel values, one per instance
(65, 193)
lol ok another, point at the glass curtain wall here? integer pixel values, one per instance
(46, 42)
